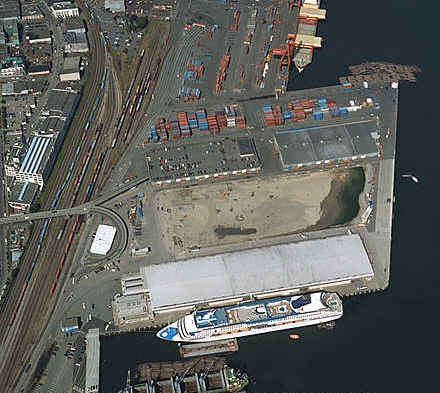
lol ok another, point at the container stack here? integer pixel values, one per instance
(192, 121)
(189, 94)
(269, 119)
(322, 103)
(161, 129)
(212, 124)
(174, 129)
(221, 73)
(183, 124)
(343, 112)
(201, 117)
(153, 135)
(333, 109)
(221, 120)
(278, 115)
(195, 69)
(317, 114)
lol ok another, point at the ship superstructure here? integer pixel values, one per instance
(254, 317)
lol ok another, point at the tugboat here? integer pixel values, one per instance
(327, 325)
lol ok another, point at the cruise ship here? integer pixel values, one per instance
(254, 317)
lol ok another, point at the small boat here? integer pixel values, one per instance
(294, 336)
(412, 177)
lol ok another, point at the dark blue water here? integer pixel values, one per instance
(386, 342)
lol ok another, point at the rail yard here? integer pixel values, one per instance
(206, 155)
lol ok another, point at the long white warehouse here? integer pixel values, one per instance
(258, 272)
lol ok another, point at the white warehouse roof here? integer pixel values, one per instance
(103, 240)
(275, 268)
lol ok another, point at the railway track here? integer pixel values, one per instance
(20, 332)
(137, 101)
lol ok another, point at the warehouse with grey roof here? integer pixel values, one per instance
(299, 147)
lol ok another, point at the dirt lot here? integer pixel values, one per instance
(233, 212)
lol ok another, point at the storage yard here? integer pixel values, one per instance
(239, 211)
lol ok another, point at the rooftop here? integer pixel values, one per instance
(92, 360)
(337, 142)
(102, 243)
(202, 158)
(115, 5)
(131, 307)
(23, 192)
(35, 156)
(261, 270)
(60, 102)
(71, 64)
(9, 9)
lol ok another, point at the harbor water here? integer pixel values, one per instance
(387, 341)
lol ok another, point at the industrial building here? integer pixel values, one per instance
(33, 167)
(75, 42)
(31, 11)
(75, 25)
(22, 196)
(9, 10)
(12, 66)
(114, 5)
(92, 361)
(10, 27)
(14, 89)
(35, 70)
(203, 160)
(70, 70)
(326, 145)
(43, 149)
(131, 309)
(37, 32)
(102, 243)
(256, 273)
(64, 9)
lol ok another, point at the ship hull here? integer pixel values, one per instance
(282, 325)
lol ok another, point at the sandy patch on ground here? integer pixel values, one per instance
(238, 211)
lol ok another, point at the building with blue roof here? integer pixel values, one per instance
(33, 167)
(22, 195)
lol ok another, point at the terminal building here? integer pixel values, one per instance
(284, 269)
(327, 145)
